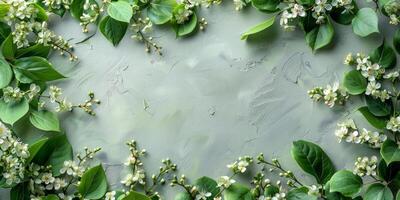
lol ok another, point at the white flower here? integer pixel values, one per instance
(59, 183)
(391, 75)
(330, 94)
(225, 181)
(110, 195)
(362, 61)
(55, 93)
(365, 166)
(4, 131)
(242, 165)
(394, 124)
(349, 59)
(202, 195)
(372, 88)
(371, 71)
(239, 4)
(353, 137)
(182, 15)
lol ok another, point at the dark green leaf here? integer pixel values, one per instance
(320, 36)
(35, 68)
(313, 160)
(5, 31)
(20, 192)
(346, 183)
(266, 5)
(34, 50)
(377, 107)
(112, 29)
(396, 40)
(8, 48)
(35, 148)
(207, 184)
(342, 16)
(390, 151)
(93, 183)
(384, 55)
(377, 122)
(354, 82)
(188, 27)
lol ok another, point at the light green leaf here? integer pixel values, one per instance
(384, 55)
(354, 82)
(183, 196)
(120, 10)
(378, 191)
(13, 111)
(34, 50)
(258, 28)
(6, 73)
(207, 184)
(4, 8)
(365, 22)
(376, 122)
(346, 183)
(35, 148)
(313, 160)
(320, 36)
(113, 30)
(390, 151)
(35, 68)
(238, 192)
(300, 194)
(160, 11)
(45, 120)
(93, 183)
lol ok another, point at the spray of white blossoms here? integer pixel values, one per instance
(349, 132)
(13, 156)
(15, 95)
(62, 104)
(392, 8)
(331, 94)
(365, 166)
(27, 20)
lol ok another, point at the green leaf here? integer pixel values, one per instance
(50, 197)
(6, 73)
(365, 22)
(238, 192)
(35, 68)
(320, 36)
(188, 27)
(384, 55)
(354, 82)
(183, 196)
(378, 191)
(307, 23)
(398, 195)
(45, 120)
(8, 48)
(112, 29)
(93, 183)
(4, 8)
(207, 184)
(342, 16)
(160, 11)
(5, 30)
(20, 192)
(13, 111)
(390, 151)
(258, 28)
(135, 196)
(396, 40)
(35, 148)
(41, 14)
(313, 160)
(346, 183)
(266, 5)
(377, 122)
(34, 50)
(300, 194)
(76, 8)
(377, 107)
(120, 10)
(270, 191)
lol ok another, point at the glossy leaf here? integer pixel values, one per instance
(35, 68)
(207, 184)
(377, 122)
(120, 10)
(113, 30)
(238, 192)
(320, 36)
(44, 120)
(160, 11)
(378, 191)
(6, 73)
(377, 107)
(135, 196)
(93, 183)
(258, 28)
(346, 183)
(300, 194)
(188, 27)
(5, 31)
(390, 151)
(34, 50)
(266, 5)
(384, 55)
(354, 82)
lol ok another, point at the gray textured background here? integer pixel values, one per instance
(212, 97)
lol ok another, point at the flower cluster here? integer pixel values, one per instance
(137, 175)
(365, 166)
(23, 16)
(57, 4)
(141, 28)
(392, 8)
(331, 94)
(394, 124)
(348, 131)
(241, 164)
(290, 15)
(373, 72)
(13, 156)
(15, 95)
